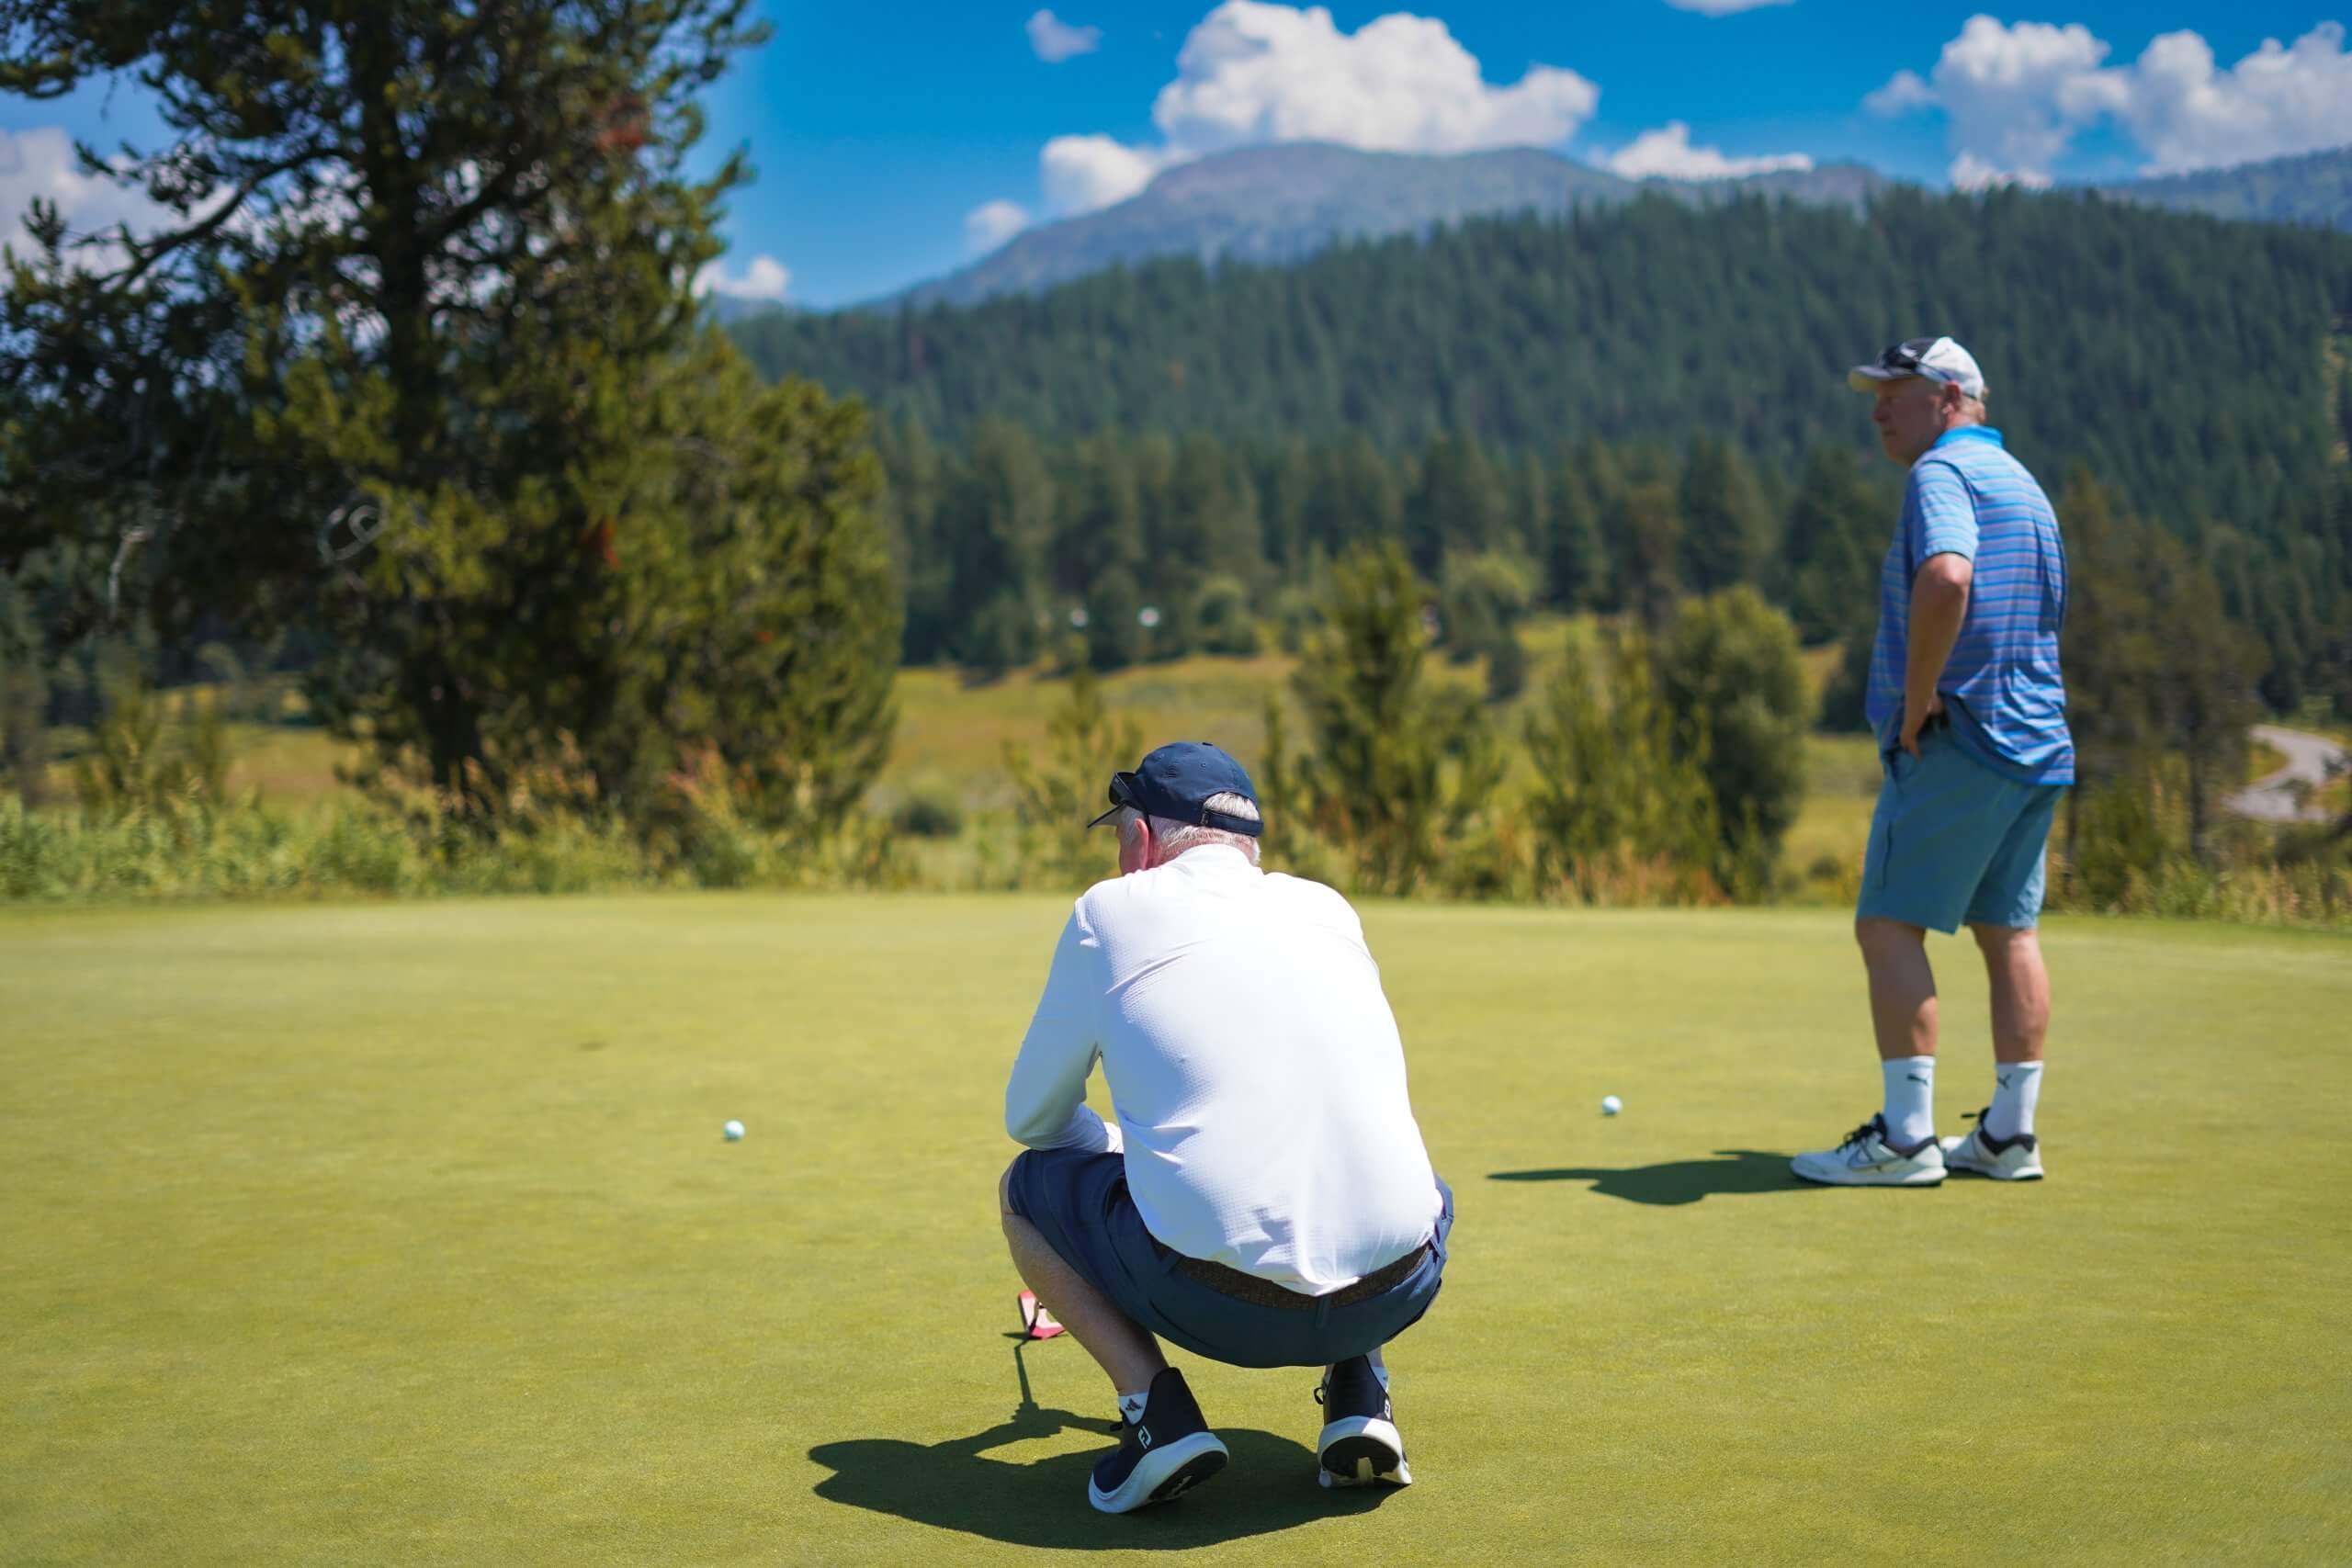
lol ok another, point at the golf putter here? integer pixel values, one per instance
(1036, 1321)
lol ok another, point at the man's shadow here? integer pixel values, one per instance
(1268, 1485)
(1679, 1181)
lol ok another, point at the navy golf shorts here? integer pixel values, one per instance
(1079, 1203)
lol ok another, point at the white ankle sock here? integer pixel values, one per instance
(2017, 1090)
(1910, 1098)
(1131, 1407)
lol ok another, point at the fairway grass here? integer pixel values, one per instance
(406, 1235)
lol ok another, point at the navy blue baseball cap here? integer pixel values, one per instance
(1176, 781)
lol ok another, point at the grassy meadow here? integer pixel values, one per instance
(404, 1233)
(951, 736)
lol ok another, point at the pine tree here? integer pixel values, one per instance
(1459, 503)
(1839, 528)
(1216, 525)
(1399, 768)
(2205, 676)
(1729, 668)
(1644, 533)
(1482, 598)
(24, 699)
(1288, 487)
(1057, 797)
(1577, 571)
(998, 524)
(1619, 788)
(2108, 650)
(919, 481)
(1115, 635)
(1728, 528)
(1098, 517)
(468, 433)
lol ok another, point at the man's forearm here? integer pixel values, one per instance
(1084, 1130)
(1939, 609)
(1044, 1100)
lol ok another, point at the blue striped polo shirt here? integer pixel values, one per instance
(1968, 496)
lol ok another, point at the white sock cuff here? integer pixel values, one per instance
(2017, 1090)
(1910, 1098)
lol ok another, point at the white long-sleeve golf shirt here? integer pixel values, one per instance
(1254, 1068)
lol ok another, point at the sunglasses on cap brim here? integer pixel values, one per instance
(1123, 792)
(1906, 356)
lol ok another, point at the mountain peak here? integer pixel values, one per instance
(1280, 202)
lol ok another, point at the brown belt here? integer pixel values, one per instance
(1265, 1293)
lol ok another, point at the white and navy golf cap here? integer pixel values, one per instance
(1929, 358)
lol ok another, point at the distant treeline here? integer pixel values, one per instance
(1542, 389)
(1151, 547)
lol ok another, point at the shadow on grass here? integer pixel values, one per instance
(1679, 1181)
(1268, 1487)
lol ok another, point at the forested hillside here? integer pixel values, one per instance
(2312, 188)
(1484, 390)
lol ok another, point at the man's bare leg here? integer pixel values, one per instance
(1127, 1354)
(2004, 1145)
(1903, 986)
(2020, 992)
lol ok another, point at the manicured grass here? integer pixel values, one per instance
(405, 1233)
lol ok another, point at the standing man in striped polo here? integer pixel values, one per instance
(1970, 718)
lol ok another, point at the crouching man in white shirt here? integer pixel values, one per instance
(1263, 1199)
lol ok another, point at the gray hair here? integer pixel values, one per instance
(1176, 837)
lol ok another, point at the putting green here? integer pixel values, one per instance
(406, 1235)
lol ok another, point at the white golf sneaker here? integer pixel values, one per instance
(1866, 1159)
(2003, 1159)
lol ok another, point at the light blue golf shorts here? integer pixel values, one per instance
(1953, 842)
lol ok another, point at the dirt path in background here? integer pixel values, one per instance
(2310, 758)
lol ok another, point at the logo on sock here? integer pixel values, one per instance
(1916, 1078)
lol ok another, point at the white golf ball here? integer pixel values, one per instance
(734, 1130)
(1611, 1105)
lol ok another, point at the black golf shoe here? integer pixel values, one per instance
(1164, 1455)
(1361, 1445)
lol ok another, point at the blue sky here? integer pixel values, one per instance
(879, 135)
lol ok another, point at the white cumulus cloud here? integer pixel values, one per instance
(1667, 154)
(1969, 171)
(992, 223)
(1252, 73)
(1082, 173)
(765, 278)
(2015, 97)
(1056, 40)
(1905, 91)
(2277, 100)
(1724, 7)
(41, 163)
